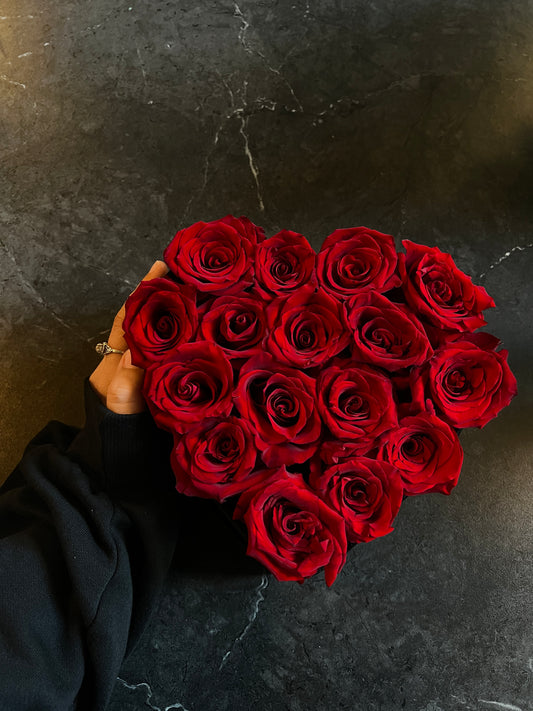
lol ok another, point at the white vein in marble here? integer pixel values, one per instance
(239, 112)
(33, 291)
(149, 695)
(245, 25)
(518, 248)
(10, 81)
(253, 616)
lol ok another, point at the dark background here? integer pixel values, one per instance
(121, 123)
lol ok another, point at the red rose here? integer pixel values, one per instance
(280, 403)
(306, 328)
(160, 315)
(469, 381)
(215, 256)
(440, 292)
(284, 263)
(386, 334)
(426, 452)
(291, 530)
(333, 451)
(194, 383)
(215, 459)
(367, 493)
(237, 323)
(357, 259)
(357, 404)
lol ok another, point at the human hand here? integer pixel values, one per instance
(116, 380)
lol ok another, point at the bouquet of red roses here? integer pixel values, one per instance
(315, 391)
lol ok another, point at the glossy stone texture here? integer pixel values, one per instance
(123, 122)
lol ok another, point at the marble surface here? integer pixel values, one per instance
(122, 122)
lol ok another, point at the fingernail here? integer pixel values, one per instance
(156, 267)
(160, 265)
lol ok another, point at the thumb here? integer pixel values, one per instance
(124, 394)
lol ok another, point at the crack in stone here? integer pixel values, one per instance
(412, 81)
(239, 113)
(242, 113)
(253, 168)
(255, 610)
(10, 81)
(114, 13)
(264, 102)
(198, 194)
(149, 694)
(105, 332)
(107, 273)
(32, 290)
(141, 64)
(19, 17)
(518, 248)
(461, 701)
(247, 48)
(244, 27)
(300, 108)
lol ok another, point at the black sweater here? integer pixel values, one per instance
(88, 528)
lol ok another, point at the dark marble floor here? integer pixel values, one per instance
(122, 122)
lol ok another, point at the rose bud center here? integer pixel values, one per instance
(194, 387)
(418, 449)
(353, 405)
(304, 337)
(441, 291)
(226, 448)
(216, 259)
(283, 269)
(166, 326)
(241, 322)
(412, 447)
(284, 407)
(382, 337)
(360, 495)
(352, 266)
(456, 382)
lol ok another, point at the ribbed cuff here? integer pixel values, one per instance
(125, 453)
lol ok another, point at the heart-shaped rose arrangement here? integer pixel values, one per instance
(318, 390)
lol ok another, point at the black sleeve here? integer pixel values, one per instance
(88, 528)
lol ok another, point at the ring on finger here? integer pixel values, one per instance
(104, 349)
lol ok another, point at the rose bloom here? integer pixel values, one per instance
(306, 328)
(356, 402)
(332, 451)
(357, 259)
(367, 493)
(160, 316)
(291, 530)
(284, 263)
(386, 334)
(426, 452)
(215, 256)
(280, 404)
(469, 381)
(215, 459)
(441, 293)
(194, 383)
(236, 323)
